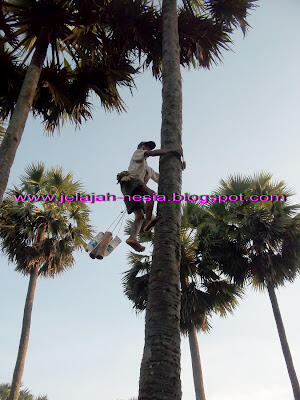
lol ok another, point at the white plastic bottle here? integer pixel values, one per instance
(112, 245)
(94, 242)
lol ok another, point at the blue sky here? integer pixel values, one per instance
(239, 117)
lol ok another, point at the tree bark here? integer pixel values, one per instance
(196, 364)
(19, 368)
(160, 368)
(284, 342)
(13, 135)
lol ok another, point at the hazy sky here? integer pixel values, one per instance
(242, 116)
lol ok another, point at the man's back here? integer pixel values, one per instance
(138, 165)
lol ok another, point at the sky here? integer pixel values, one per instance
(242, 116)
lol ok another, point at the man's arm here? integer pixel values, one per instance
(162, 152)
(154, 175)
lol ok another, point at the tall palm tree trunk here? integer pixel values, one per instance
(196, 364)
(19, 368)
(284, 342)
(19, 116)
(160, 368)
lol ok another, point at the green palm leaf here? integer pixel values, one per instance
(203, 290)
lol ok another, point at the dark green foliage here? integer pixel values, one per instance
(98, 46)
(80, 42)
(63, 93)
(43, 235)
(231, 13)
(203, 291)
(24, 393)
(201, 40)
(11, 78)
(257, 242)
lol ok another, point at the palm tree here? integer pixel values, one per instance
(31, 23)
(24, 393)
(100, 29)
(200, 31)
(63, 92)
(256, 242)
(40, 237)
(160, 367)
(203, 292)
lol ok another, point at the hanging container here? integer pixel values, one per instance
(99, 251)
(93, 243)
(112, 245)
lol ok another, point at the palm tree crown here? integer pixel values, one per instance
(43, 234)
(255, 242)
(203, 291)
(262, 237)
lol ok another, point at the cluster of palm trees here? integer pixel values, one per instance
(95, 46)
(223, 248)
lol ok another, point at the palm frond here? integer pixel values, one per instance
(204, 291)
(231, 13)
(252, 241)
(42, 234)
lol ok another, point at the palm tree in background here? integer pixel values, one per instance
(40, 238)
(24, 393)
(255, 242)
(202, 292)
(214, 21)
(53, 29)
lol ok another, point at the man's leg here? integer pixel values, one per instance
(148, 204)
(137, 224)
(149, 209)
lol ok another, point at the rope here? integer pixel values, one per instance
(183, 163)
(122, 221)
(117, 221)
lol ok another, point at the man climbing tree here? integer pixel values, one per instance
(134, 183)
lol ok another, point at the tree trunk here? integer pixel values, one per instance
(284, 342)
(196, 364)
(160, 368)
(19, 368)
(13, 135)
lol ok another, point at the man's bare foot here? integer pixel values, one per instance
(135, 245)
(151, 223)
